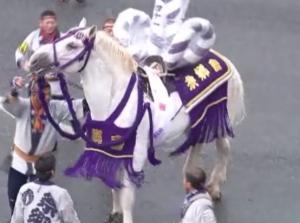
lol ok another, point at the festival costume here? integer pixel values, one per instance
(44, 202)
(197, 208)
(34, 136)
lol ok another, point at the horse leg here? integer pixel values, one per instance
(219, 173)
(127, 199)
(193, 158)
(116, 214)
(116, 201)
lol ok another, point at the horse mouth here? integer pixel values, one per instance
(40, 64)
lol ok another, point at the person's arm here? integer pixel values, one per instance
(23, 52)
(66, 209)
(12, 103)
(18, 215)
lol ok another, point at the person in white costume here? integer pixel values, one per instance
(47, 32)
(34, 135)
(165, 105)
(197, 205)
(42, 200)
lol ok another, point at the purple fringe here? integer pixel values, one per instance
(215, 124)
(94, 164)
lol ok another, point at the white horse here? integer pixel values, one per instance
(105, 74)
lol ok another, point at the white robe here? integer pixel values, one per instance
(44, 203)
(20, 110)
(200, 211)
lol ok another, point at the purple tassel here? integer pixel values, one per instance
(94, 164)
(216, 124)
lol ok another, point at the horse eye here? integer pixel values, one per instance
(72, 46)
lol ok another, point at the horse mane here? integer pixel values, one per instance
(115, 50)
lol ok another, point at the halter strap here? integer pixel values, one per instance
(85, 53)
(124, 100)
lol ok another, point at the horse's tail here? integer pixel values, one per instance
(236, 104)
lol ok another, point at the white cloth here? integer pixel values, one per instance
(20, 110)
(200, 211)
(47, 203)
(164, 107)
(180, 42)
(30, 44)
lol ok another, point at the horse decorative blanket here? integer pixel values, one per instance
(195, 82)
(203, 92)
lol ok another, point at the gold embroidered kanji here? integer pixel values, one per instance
(116, 138)
(202, 72)
(215, 65)
(97, 136)
(191, 82)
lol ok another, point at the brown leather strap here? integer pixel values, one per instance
(25, 156)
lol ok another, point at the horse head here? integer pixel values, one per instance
(68, 53)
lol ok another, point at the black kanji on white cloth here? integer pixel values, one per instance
(36, 216)
(48, 205)
(27, 197)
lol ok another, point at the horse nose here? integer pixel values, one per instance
(34, 61)
(39, 61)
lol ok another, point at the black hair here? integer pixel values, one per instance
(155, 58)
(196, 177)
(47, 13)
(45, 166)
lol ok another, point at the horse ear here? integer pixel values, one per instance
(82, 23)
(92, 32)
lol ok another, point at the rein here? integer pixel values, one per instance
(85, 53)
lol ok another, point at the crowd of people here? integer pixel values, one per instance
(33, 197)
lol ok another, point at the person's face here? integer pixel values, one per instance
(187, 185)
(108, 28)
(48, 24)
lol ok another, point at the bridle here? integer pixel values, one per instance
(83, 55)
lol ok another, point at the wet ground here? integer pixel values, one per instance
(262, 39)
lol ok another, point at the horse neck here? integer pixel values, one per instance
(104, 85)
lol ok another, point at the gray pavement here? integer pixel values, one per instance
(262, 39)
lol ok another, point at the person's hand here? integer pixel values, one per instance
(18, 82)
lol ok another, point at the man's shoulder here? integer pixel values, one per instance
(33, 34)
(202, 203)
(26, 187)
(201, 208)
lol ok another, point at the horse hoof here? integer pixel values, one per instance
(114, 218)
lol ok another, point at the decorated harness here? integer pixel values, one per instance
(108, 146)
